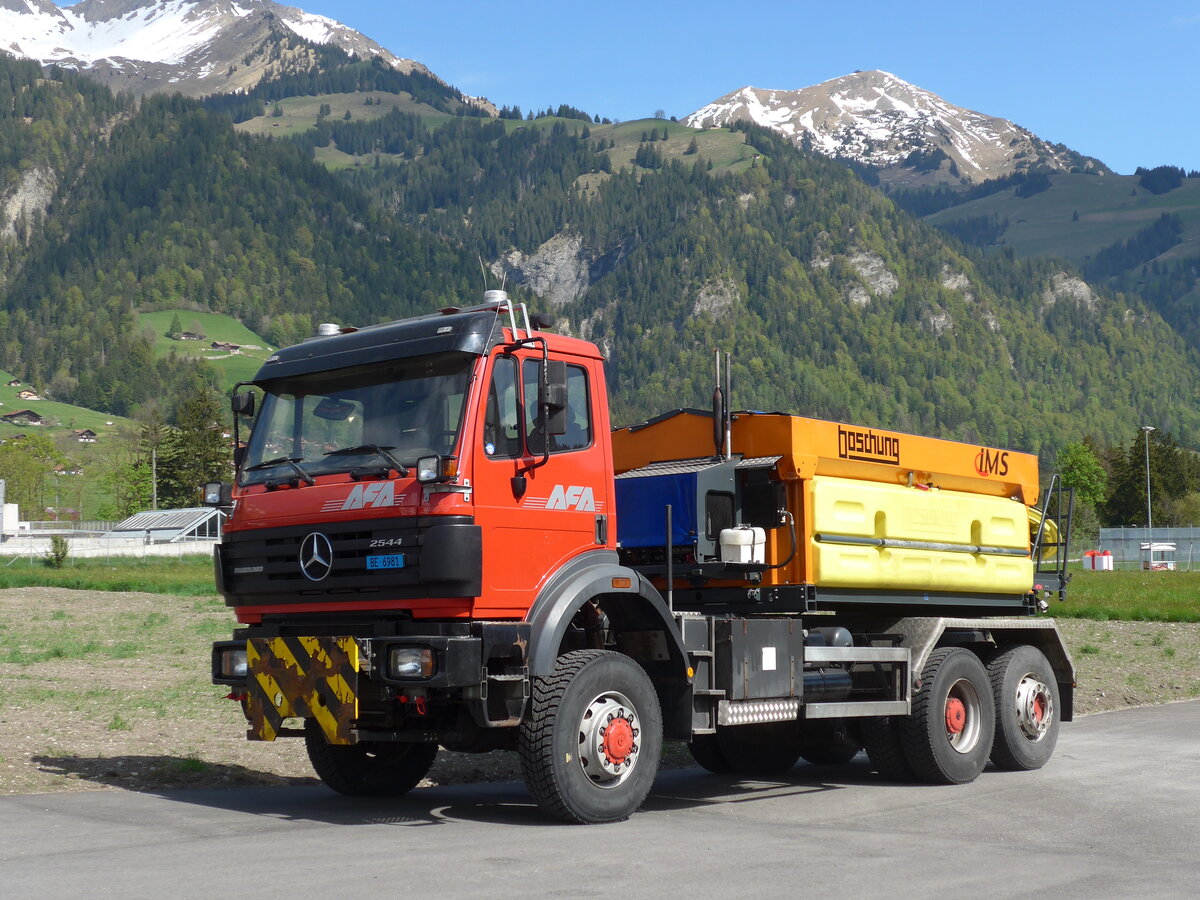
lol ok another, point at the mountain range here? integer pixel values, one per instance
(196, 47)
(910, 135)
(353, 187)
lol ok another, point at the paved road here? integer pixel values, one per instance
(1116, 813)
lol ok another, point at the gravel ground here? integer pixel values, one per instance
(151, 721)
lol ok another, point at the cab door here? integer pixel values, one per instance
(540, 499)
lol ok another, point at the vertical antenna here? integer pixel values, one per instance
(728, 405)
(483, 271)
(718, 410)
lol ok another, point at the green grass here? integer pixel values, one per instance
(727, 150)
(300, 113)
(1132, 596)
(188, 576)
(117, 666)
(63, 417)
(214, 327)
(1111, 209)
(1121, 595)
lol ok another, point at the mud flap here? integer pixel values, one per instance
(309, 677)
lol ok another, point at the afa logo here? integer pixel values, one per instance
(573, 497)
(991, 462)
(576, 497)
(380, 493)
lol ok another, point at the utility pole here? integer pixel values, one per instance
(1146, 429)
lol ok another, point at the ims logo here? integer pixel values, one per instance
(991, 462)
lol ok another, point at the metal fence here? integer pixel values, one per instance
(35, 547)
(1128, 547)
(65, 527)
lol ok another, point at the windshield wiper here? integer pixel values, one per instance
(284, 461)
(376, 450)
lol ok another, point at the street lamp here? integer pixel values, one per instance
(1149, 518)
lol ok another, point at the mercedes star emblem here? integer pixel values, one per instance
(316, 556)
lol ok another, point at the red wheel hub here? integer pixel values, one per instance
(956, 715)
(1039, 708)
(618, 741)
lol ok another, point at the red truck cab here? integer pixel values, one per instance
(390, 467)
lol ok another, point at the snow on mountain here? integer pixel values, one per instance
(880, 120)
(195, 46)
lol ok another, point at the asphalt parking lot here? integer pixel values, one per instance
(1116, 813)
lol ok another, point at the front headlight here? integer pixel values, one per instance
(429, 469)
(411, 662)
(232, 663)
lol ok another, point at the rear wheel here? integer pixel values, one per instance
(881, 740)
(706, 751)
(591, 745)
(828, 754)
(368, 769)
(828, 743)
(1027, 708)
(770, 748)
(948, 735)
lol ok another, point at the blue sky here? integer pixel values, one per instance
(1118, 81)
(1114, 80)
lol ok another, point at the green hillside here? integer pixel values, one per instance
(233, 367)
(1110, 208)
(62, 418)
(656, 241)
(180, 211)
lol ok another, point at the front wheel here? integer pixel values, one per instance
(591, 743)
(368, 769)
(1027, 708)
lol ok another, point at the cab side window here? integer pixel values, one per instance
(501, 427)
(579, 421)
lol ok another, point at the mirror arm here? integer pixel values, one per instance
(238, 452)
(518, 481)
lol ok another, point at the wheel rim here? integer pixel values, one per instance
(1035, 707)
(609, 739)
(963, 716)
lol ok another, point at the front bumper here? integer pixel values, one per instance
(345, 682)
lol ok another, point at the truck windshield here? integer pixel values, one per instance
(368, 416)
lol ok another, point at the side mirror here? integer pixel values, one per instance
(552, 396)
(243, 404)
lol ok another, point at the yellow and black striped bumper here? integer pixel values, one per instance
(308, 677)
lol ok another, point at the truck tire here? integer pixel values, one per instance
(1026, 695)
(591, 743)
(367, 769)
(947, 737)
(828, 742)
(766, 749)
(828, 753)
(706, 751)
(881, 740)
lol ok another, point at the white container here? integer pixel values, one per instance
(744, 544)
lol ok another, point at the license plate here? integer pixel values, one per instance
(390, 561)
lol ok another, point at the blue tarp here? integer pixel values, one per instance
(641, 510)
